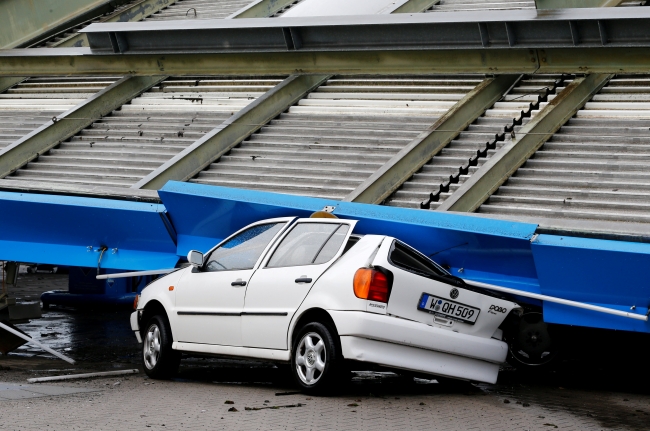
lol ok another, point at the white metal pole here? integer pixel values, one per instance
(82, 376)
(31, 340)
(135, 273)
(558, 300)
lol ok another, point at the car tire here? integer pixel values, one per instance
(533, 347)
(158, 359)
(316, 360)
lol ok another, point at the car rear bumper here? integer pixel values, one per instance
(135, 326)
(389, 329)
(417, 359)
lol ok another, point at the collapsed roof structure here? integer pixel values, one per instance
(513, 110)
(338, 130)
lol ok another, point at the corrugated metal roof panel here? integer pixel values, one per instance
(596, 167)
(332, 140)
(473, 5)
(199, 9)
(33, 102)
(458, 161)
(122, 148)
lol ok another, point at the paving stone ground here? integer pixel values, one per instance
(372, 402)
(607, 388)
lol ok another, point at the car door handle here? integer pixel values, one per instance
(303, 280)
(238, 283)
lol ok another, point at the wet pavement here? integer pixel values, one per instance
(601, 383)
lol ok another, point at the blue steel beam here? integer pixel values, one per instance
(496, 251)
(600, 272)
(61, 230)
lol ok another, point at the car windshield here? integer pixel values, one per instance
(243, 250)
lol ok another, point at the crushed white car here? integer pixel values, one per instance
(311, 293)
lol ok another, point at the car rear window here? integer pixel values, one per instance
(408, 259)
(309, 243)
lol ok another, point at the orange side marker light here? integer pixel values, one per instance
(171, 288)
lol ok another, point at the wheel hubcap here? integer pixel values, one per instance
(533, 344)
(310, 358)
(151, 348)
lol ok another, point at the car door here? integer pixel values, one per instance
(285, 277)
(210, 299)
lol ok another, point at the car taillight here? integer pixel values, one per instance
(371, 284)
(135, 302)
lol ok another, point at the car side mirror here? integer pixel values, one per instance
(195, 258)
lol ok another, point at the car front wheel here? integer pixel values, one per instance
(159, 360)
(316, 362)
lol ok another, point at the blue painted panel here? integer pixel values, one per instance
(488, 250)
(557, 313)
(58, 297)
(611, 274)
(58, 230)
(593, 270)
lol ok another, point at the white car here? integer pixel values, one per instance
(311, 293)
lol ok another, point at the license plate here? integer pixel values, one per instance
(449, 309)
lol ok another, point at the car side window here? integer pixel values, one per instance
(309, 243)
(243, 250)
(406, 258)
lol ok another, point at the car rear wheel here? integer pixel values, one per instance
(159, 360)
(533, 346)
(316, 362)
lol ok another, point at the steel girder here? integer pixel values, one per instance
(83, 190)
(566, 4)
(488, 30)
(8, 82)
(25, 22)
(79, 62)
(231, 132)
(72, 121)
(418, 152)
(478, 188)
(135, 12)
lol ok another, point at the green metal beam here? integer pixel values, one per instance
(85, 190)
(24, 21)
(60, 128)
(599, 60)
(415, 6)
(570, 4)
(135, 12)
(478, 188)
(262, 9)
(10, 81)
(231, 132)
(79, 61)
(418, 152)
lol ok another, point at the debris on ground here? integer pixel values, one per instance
(273, 407)
(83, 376)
